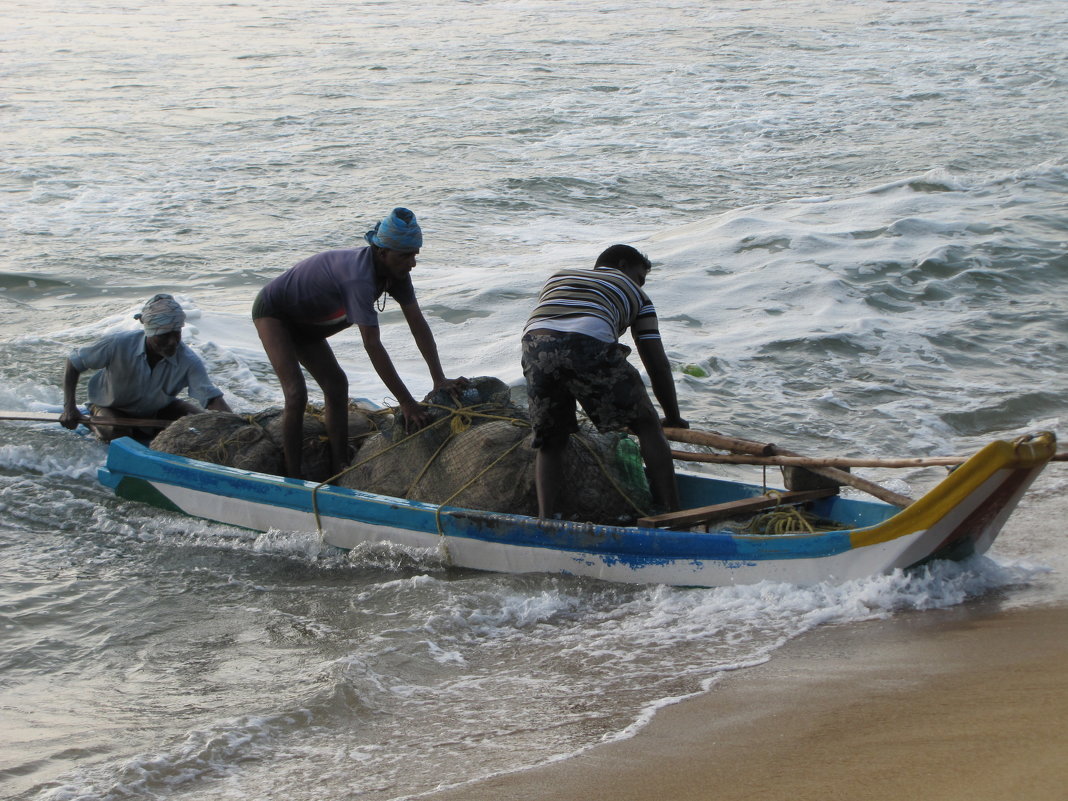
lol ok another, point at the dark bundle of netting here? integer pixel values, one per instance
(604, 479)
(476, 454)
(407, 464)
(254, 441)
(222, 438)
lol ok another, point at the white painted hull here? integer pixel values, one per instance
(961, 516)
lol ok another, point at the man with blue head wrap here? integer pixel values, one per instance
(140, 374)
(326, 293)
(399, 231)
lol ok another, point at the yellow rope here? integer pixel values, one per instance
(459, 421)
(780, 520)
(433, 458)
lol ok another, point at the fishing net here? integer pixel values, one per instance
(489, 467)
(254, 441)
(476, 454)
(604, 479)
(407, 465)
(222, 438)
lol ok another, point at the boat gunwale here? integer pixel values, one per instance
(497, 527)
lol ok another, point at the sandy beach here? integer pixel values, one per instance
(967, 703)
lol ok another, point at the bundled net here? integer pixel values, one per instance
(220, 438)
(413, 465)
(254, 441)
(474, 454)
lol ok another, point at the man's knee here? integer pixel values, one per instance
(645, 420)
(551, 441)
(335, 388)
(175, 409)
(296, 395)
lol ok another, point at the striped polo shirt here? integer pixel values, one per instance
(602, 303)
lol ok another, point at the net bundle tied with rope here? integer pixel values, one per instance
(474, 454)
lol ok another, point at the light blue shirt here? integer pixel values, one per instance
(127, 383)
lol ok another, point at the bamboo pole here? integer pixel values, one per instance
(817, 461)
(49, 417)
(831, 461)
(711, 439)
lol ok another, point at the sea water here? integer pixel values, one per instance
(857, 216)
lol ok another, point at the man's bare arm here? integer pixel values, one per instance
(71, 415)
(658, 367)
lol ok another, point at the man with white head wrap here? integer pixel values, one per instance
(318, 297)
(140, 374)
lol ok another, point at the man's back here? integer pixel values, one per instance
(603, 293)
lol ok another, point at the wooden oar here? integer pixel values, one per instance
(767, 449)
(51, 417)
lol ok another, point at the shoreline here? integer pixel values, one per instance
(964, 703)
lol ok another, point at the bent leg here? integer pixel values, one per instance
(659, 464)
(282, 352)
(549, 474)
(172, 411)
(177, 408)
(319, 359)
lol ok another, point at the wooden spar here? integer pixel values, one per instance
(807, 461)
(766, 449)
(818, 461)
(715, 440)
(50, 417)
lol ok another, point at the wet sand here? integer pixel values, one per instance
(968, 703)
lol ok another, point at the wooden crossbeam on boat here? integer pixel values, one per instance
(686, 518)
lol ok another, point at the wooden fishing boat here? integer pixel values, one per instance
(696, 547)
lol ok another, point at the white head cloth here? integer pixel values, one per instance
(161, 315)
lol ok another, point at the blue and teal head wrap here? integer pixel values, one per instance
(161, 315)
(398, 231)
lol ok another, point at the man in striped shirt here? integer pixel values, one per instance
(571, 352)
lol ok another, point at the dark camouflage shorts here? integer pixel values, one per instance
(563, 368)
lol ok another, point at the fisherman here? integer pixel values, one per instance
(318, 297)
(140, 374)
(571, 353)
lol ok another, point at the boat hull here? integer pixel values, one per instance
(960, 517)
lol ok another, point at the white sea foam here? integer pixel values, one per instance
(29, 457)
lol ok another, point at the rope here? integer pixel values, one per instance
(781, 520)
(459, 421)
